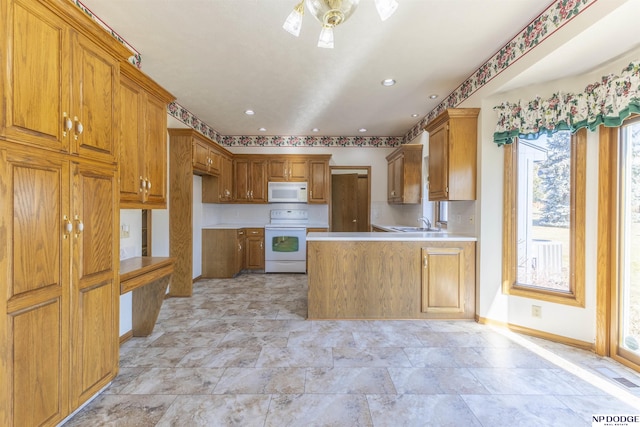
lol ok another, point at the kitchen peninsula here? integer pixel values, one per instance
(421, 275)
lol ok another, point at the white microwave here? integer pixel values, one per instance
(287, 192)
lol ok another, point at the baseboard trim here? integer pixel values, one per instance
(537, 333)
(126, 337)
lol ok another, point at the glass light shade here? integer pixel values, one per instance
(331, 12)
(386, 8)
(326, 38)
(293, 24)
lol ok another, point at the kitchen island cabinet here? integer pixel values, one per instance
(390, 276)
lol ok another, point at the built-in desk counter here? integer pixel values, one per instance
(147, 278)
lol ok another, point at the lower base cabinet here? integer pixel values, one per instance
(227, 252)
(391, 279)
(254, 247)
(443, 280)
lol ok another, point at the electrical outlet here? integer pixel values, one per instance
(536, 311)
(124, 231)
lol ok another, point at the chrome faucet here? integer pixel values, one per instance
(426, 222)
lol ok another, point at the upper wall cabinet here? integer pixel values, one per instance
(143, 140)
(319, 179)
(250, 179)
(59, 87)
(404, 175)
(453, 140)
(288, 169)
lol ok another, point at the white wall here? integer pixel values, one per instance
(492, 304)
(130, 247)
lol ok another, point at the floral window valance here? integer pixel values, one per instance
(608, 102)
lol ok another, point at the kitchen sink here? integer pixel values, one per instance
(434, 232)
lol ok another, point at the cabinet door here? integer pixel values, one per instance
(298, 170)
(35, 86)
(240, 242)
(94, 292)
(200, 156)
(34, 307)
(277, 170)
(95, 82)
(318, 181)
(258, 177)
(439, 164)
(254, 249)
(154, 145)
(443, 280)
(398, 179)
(241, 184)
(131, 132)
(226, 180)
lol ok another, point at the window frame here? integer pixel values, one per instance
(576, 294)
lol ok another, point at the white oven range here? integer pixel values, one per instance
(285, 239)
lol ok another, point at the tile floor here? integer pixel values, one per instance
(240, 353)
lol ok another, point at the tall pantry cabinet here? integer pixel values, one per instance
(58, 210)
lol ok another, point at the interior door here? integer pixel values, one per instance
(344, 202)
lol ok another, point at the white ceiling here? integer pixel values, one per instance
(222, 57)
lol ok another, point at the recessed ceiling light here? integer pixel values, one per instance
(249, 112)
(262, 129)
(315, 130)
(434, 96)
(415, 115)
(388, 82)
(362, 130)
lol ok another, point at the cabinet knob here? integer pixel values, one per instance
(66, 124)
(142, 184)
(68, 227)
(79, 128)
(148, 181)
(79, 225)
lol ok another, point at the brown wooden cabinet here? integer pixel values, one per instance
(254, 247)
(223, 252)
(94, 287)
(207, 157)
(143, 140)
(250, 175)
(59, 337)
(288, 169)
(443, 280)
(59, 142)
(60, 85)
(319, 180)
(391, 279)
(453, 140)
(404, 175)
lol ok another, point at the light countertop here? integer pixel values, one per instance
(391, 236)
(235, 226)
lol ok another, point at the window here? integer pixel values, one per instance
(441, 215)
(628, 209)
(544, 205)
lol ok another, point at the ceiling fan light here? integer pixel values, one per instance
(326, 38)
(386, 8)
(293, 23)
